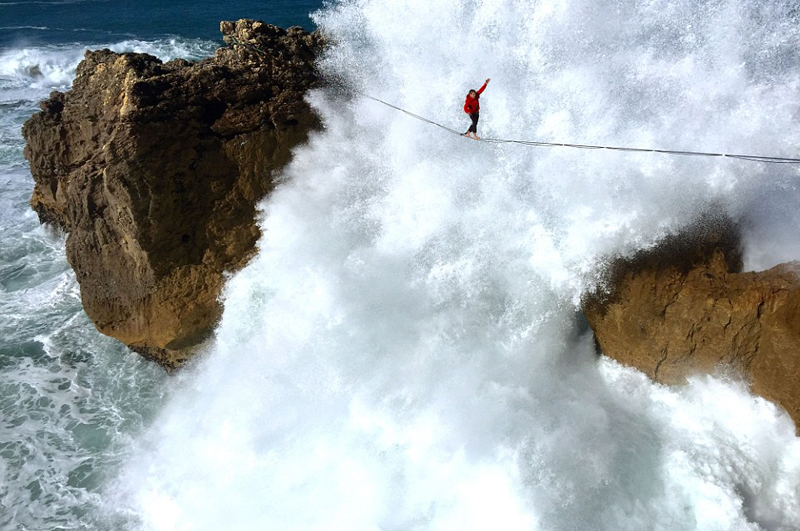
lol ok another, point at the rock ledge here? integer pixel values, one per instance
(686, 308)
(155, 169)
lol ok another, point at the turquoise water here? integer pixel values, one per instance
(71, 400)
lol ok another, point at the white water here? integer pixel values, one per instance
(27, 74)
(70, 399)
(404, 352)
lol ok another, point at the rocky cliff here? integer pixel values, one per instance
(155, 169)
(685, 308)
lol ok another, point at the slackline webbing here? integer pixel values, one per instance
(534, 143)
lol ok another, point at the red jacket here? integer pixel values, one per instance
(472, 106)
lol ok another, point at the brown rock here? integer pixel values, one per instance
(155, 170)
(685, 308)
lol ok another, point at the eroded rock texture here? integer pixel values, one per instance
(155, 171)
(685, 308)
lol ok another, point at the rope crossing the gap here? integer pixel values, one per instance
(751, 158)
(534, 143)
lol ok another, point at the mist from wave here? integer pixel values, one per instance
(406, 352)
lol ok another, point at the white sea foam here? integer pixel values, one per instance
(404, 354)
(38, 68)
(29, 73)
(69, 397)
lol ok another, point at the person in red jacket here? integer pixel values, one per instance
(472, 107)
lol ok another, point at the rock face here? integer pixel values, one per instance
(155, 169)
(685, 308)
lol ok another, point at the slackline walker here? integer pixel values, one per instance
(534, 143)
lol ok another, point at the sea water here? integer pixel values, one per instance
(71, 399)
(406, 350)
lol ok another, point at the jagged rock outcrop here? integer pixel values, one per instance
(155, 170)
(685, 308)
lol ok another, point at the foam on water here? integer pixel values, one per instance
(70, 399)
(404, 352)
(53, 67)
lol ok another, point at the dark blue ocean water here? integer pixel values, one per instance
(36, 22)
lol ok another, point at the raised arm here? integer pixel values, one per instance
(480, 90)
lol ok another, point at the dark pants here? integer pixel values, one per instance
(474, 127)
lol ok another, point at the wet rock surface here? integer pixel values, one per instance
(155, 170)
(686, 308)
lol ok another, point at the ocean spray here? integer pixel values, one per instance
(404, 352)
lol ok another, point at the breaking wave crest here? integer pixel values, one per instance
(47, 68)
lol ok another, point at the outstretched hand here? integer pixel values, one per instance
(488, 79)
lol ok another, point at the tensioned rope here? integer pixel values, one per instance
(534, 143)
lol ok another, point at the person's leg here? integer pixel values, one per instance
(474, 126)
